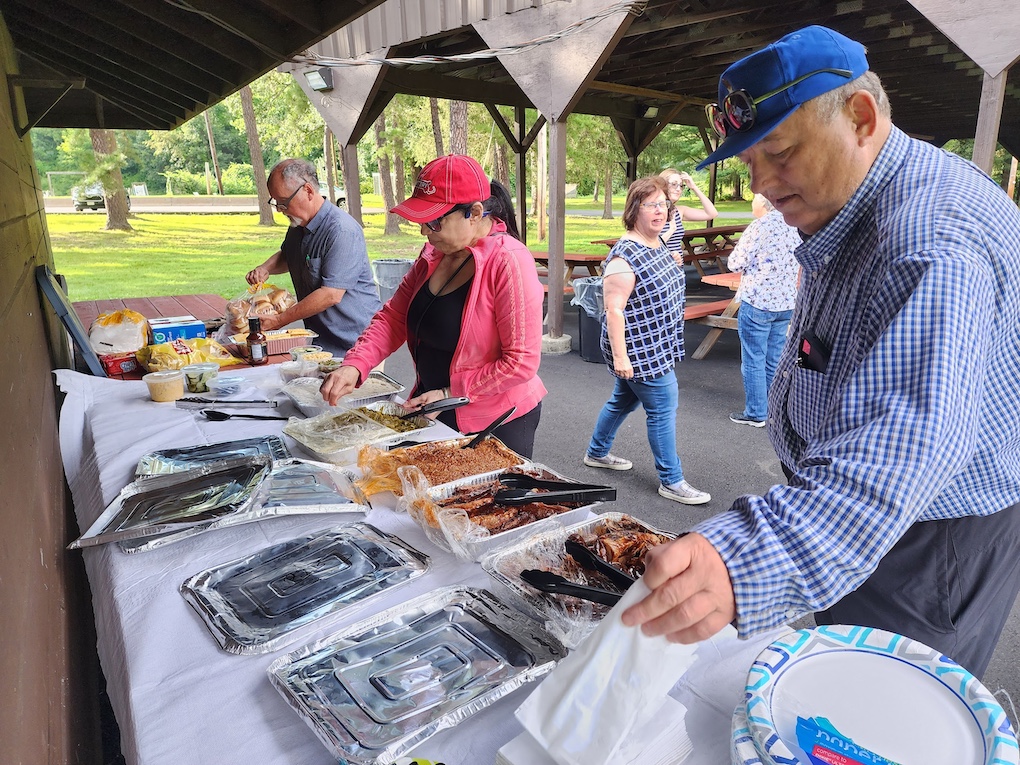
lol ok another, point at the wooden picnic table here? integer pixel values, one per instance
(710, 313)
(703, 244)
(571, 260)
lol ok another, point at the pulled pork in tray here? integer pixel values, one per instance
(622, 543)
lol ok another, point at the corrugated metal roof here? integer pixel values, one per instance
(398, 21)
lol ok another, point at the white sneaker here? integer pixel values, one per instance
(685, 493)
(609, 462)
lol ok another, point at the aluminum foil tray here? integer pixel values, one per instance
(159, 504)
(297, 487)
(570, 619)
(190, 457)
(380, 687)
(340, 447)
(475, 544)
(304, 392)
(256, 604)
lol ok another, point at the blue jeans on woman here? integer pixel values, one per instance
(659, 397)
(762, 337)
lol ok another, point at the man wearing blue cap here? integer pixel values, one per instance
(896, 405)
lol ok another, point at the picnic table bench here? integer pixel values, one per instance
(571, 260)
(703, 244)
(718, 314)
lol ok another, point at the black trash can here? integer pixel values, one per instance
(588, 299)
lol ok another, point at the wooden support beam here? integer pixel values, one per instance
(993, 90)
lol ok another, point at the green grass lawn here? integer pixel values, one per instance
(180, 254)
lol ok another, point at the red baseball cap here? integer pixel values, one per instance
(443, 184)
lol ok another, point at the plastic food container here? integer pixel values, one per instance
(299, 351)
(226, 386)
(198, 376)
(292, 370)
(165, 386)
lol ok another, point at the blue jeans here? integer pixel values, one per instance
(762, 337)
(659, 397)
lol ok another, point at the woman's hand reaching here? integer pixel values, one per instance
(339, 383)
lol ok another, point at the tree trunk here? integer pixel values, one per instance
(437, 126)
(458, 127)
(392, 221)
(502, 164)
(212, 151)
(595, 191)
(398, 169)
(258, 163)
(329, 158)
(607, 193)
(104, 144)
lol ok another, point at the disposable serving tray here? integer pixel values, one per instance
(476, 549)
(570, 619)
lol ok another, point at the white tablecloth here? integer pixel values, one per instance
(180, 699)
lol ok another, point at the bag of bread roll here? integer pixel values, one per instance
(257, 300)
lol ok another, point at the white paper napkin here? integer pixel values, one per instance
(592, 708)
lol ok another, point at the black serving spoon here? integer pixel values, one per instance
(215, 416)
(442, 405)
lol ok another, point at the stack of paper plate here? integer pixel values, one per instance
(891, 695)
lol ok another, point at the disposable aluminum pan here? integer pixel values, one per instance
(257, 603)
(168, 461)
(339, 444)
(379, 688)
(156, 505)
(569, 619)
(295, 488)
(471, 542)
(304, 392)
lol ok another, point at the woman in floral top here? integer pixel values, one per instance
(768, 290)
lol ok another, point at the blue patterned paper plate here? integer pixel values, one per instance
(892, 695)
(742, 748)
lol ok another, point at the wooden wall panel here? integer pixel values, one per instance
(48, 706)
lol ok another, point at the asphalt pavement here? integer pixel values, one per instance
(718, 456)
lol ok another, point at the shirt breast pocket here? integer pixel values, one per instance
(314, 268)
(808, 402)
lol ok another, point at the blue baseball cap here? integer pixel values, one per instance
(804, 58)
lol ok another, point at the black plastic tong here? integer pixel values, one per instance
(546, 581)
(437, 406)
(520, 491)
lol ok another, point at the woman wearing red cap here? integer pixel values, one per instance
(470, 308)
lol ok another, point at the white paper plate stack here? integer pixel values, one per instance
(894, 696)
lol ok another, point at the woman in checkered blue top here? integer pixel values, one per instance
(642, 340)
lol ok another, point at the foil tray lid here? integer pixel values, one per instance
(255, 604)
(190, 457)
(378, 688)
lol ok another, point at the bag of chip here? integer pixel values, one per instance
(178, 353)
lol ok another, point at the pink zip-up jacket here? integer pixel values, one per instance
(500, 347)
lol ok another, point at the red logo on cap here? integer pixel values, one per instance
(424, 186)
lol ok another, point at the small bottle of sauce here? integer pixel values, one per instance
(258, 346)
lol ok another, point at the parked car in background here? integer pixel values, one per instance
(92, 197)
(338, 193)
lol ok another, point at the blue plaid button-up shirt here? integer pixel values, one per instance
(915, 288)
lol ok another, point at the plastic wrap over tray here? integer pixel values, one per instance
(443, 462)
(336, 436)
(569, 619)
(380, 687)
(304, 392)
(258, 603)
(190, 457)
(451, 529)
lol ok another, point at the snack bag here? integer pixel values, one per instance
(257, 300)
(123, 331)
(177, 354)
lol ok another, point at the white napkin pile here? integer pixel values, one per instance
(608, 702)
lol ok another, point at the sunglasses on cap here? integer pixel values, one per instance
(738, 110)
(437, 225)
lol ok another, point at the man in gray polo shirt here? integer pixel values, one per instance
(324, 251)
